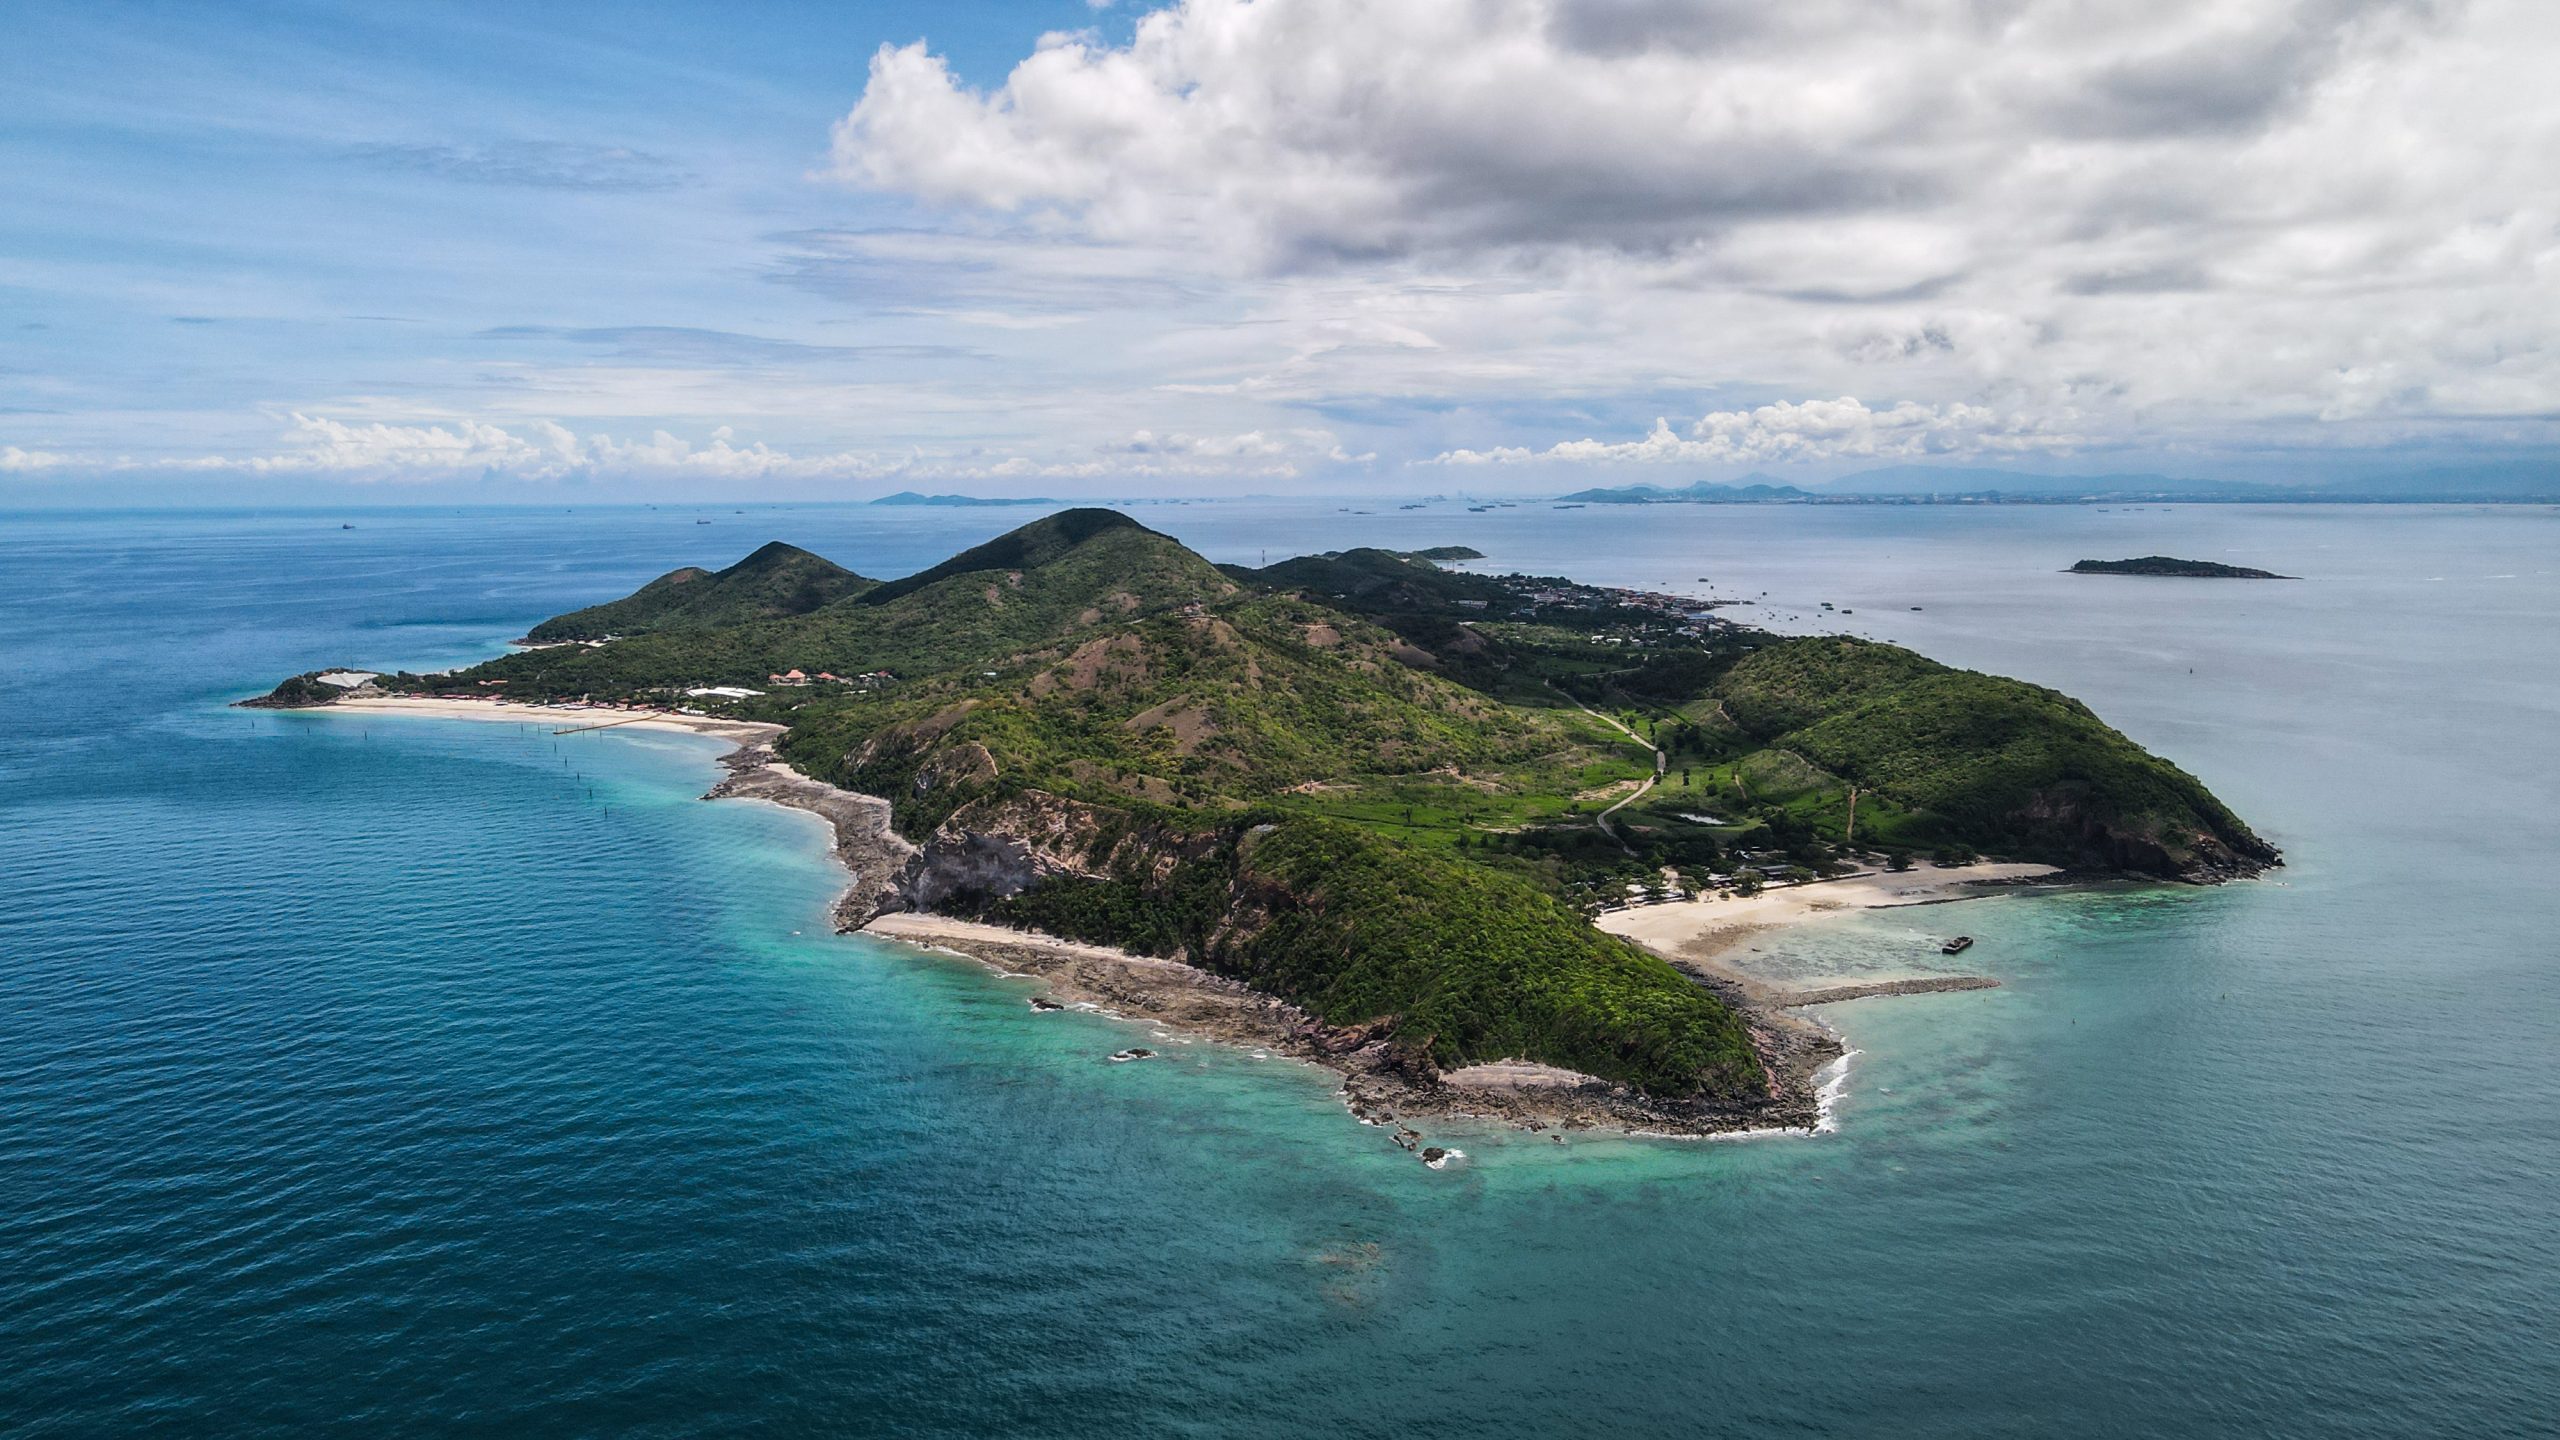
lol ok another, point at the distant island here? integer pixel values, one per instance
(912, 497)
(1751, 490)
(2164, 565)
(1355, 808)
(1444, 554)
(2526, 482)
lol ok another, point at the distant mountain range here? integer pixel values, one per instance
(2523, 481)
(911, 497)
(1750, 489)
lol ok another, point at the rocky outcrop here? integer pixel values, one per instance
(1922, 985)
(308, 691)
(988, 850)
(2105, 842)
(873, 853)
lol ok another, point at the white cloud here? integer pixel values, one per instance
(1283, 445)
(2033, 224)
(14, 459)
(545, 450)
(1810, 430)
(1298, 127)
(2209, 235)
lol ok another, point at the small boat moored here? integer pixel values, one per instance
(1957, 946)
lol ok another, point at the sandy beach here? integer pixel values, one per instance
(1698, 935)
(558, 717)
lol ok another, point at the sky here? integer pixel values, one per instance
(275, 253)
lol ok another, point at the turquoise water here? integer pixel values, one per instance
(365, 1076)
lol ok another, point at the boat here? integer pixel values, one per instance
(1957, 946)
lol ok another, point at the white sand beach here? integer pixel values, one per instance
(1699, 930)
(558, 717)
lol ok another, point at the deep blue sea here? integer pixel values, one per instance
(404, 1076)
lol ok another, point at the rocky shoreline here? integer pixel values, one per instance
(1380, 1083)
(872, 852)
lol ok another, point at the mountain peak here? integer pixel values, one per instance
(1027, 547)
(773, 553)
(776, 579)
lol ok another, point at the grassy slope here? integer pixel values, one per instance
(2014, 766)
(1231, 704)
(982, 617)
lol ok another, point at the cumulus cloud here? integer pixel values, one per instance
(1809, 430)
(2180, 223)
(1308, 127)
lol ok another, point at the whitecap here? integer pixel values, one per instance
(1827, 1092)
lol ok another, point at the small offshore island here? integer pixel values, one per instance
(2163, 565)
(1357, 808)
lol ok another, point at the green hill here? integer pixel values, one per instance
(777, 579)
(2011, 767)
(1366, 783)
(1077, 571)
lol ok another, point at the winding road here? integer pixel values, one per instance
(1661, 766)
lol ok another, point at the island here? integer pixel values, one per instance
(1356, 808)
(914, 497)
(1752, 489)
(2165, 565)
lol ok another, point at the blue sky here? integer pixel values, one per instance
(258, 253)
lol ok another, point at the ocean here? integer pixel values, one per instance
(399, 1075)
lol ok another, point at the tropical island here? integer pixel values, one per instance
(1357, 808)
(2165, 565)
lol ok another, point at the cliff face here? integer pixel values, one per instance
(996, 849)
(993, 850)
(2096, 838)
(307, 691)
